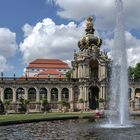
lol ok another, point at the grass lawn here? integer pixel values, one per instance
(19, 117)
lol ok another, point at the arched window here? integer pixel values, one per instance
(20, 93)
(54, 94)
(65, 94)
(43, 93)
(32, 94)
(8, 94)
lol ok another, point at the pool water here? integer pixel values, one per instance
(69, 130)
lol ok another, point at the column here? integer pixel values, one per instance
(71, 99)
(84, 71)
(99, 71)
(14, 94)
(79, 71)
(103, 71)
(26, 93)
(49, 95)
(37, 95)
(59, 94)
(87, 71)
(87, 97)
(133, 99)
(70, 94)
(81, 93)
(101, 91)
(133, 93)
(2, 94)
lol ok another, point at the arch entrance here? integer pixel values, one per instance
(93, 97)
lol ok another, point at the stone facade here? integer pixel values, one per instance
(88, 85)
(90, 68)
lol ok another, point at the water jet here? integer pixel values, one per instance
(118, 103)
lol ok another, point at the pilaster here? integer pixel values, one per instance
(14, 94)
(37, 95)
(59, 94)
(26, 93)
(49, 94)
(2, 94)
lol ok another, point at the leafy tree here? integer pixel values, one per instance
(69, 74)
(131, 72)
(64, 105)
(81, 100)
(134, 72)
(26, 105)
(45, 104)
(137, 71)
(6, 104)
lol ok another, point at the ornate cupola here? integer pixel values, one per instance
(89, 62)
(89, 40)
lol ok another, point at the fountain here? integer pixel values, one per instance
(118, 102)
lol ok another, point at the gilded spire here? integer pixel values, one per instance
(89, 26)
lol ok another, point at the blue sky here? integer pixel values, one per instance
(31, 29)
(15, 13)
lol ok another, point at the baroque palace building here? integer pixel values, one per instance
(47, 68)
(46, 78)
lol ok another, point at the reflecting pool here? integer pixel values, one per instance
(68, 130)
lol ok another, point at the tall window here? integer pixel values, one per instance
(8, 94)
(54, 94)
(32, 94)
(20, 93)
(93, 69)
(43, 93)
(65, 94)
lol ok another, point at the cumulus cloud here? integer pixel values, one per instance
(103, 10)
(8, 47)
(48, 40)
(132, 45)
(4, 66)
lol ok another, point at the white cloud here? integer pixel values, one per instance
(104, 11)
(132, 45)
(27, 29)
(8, 47)
(3, 64)
(48, 40)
